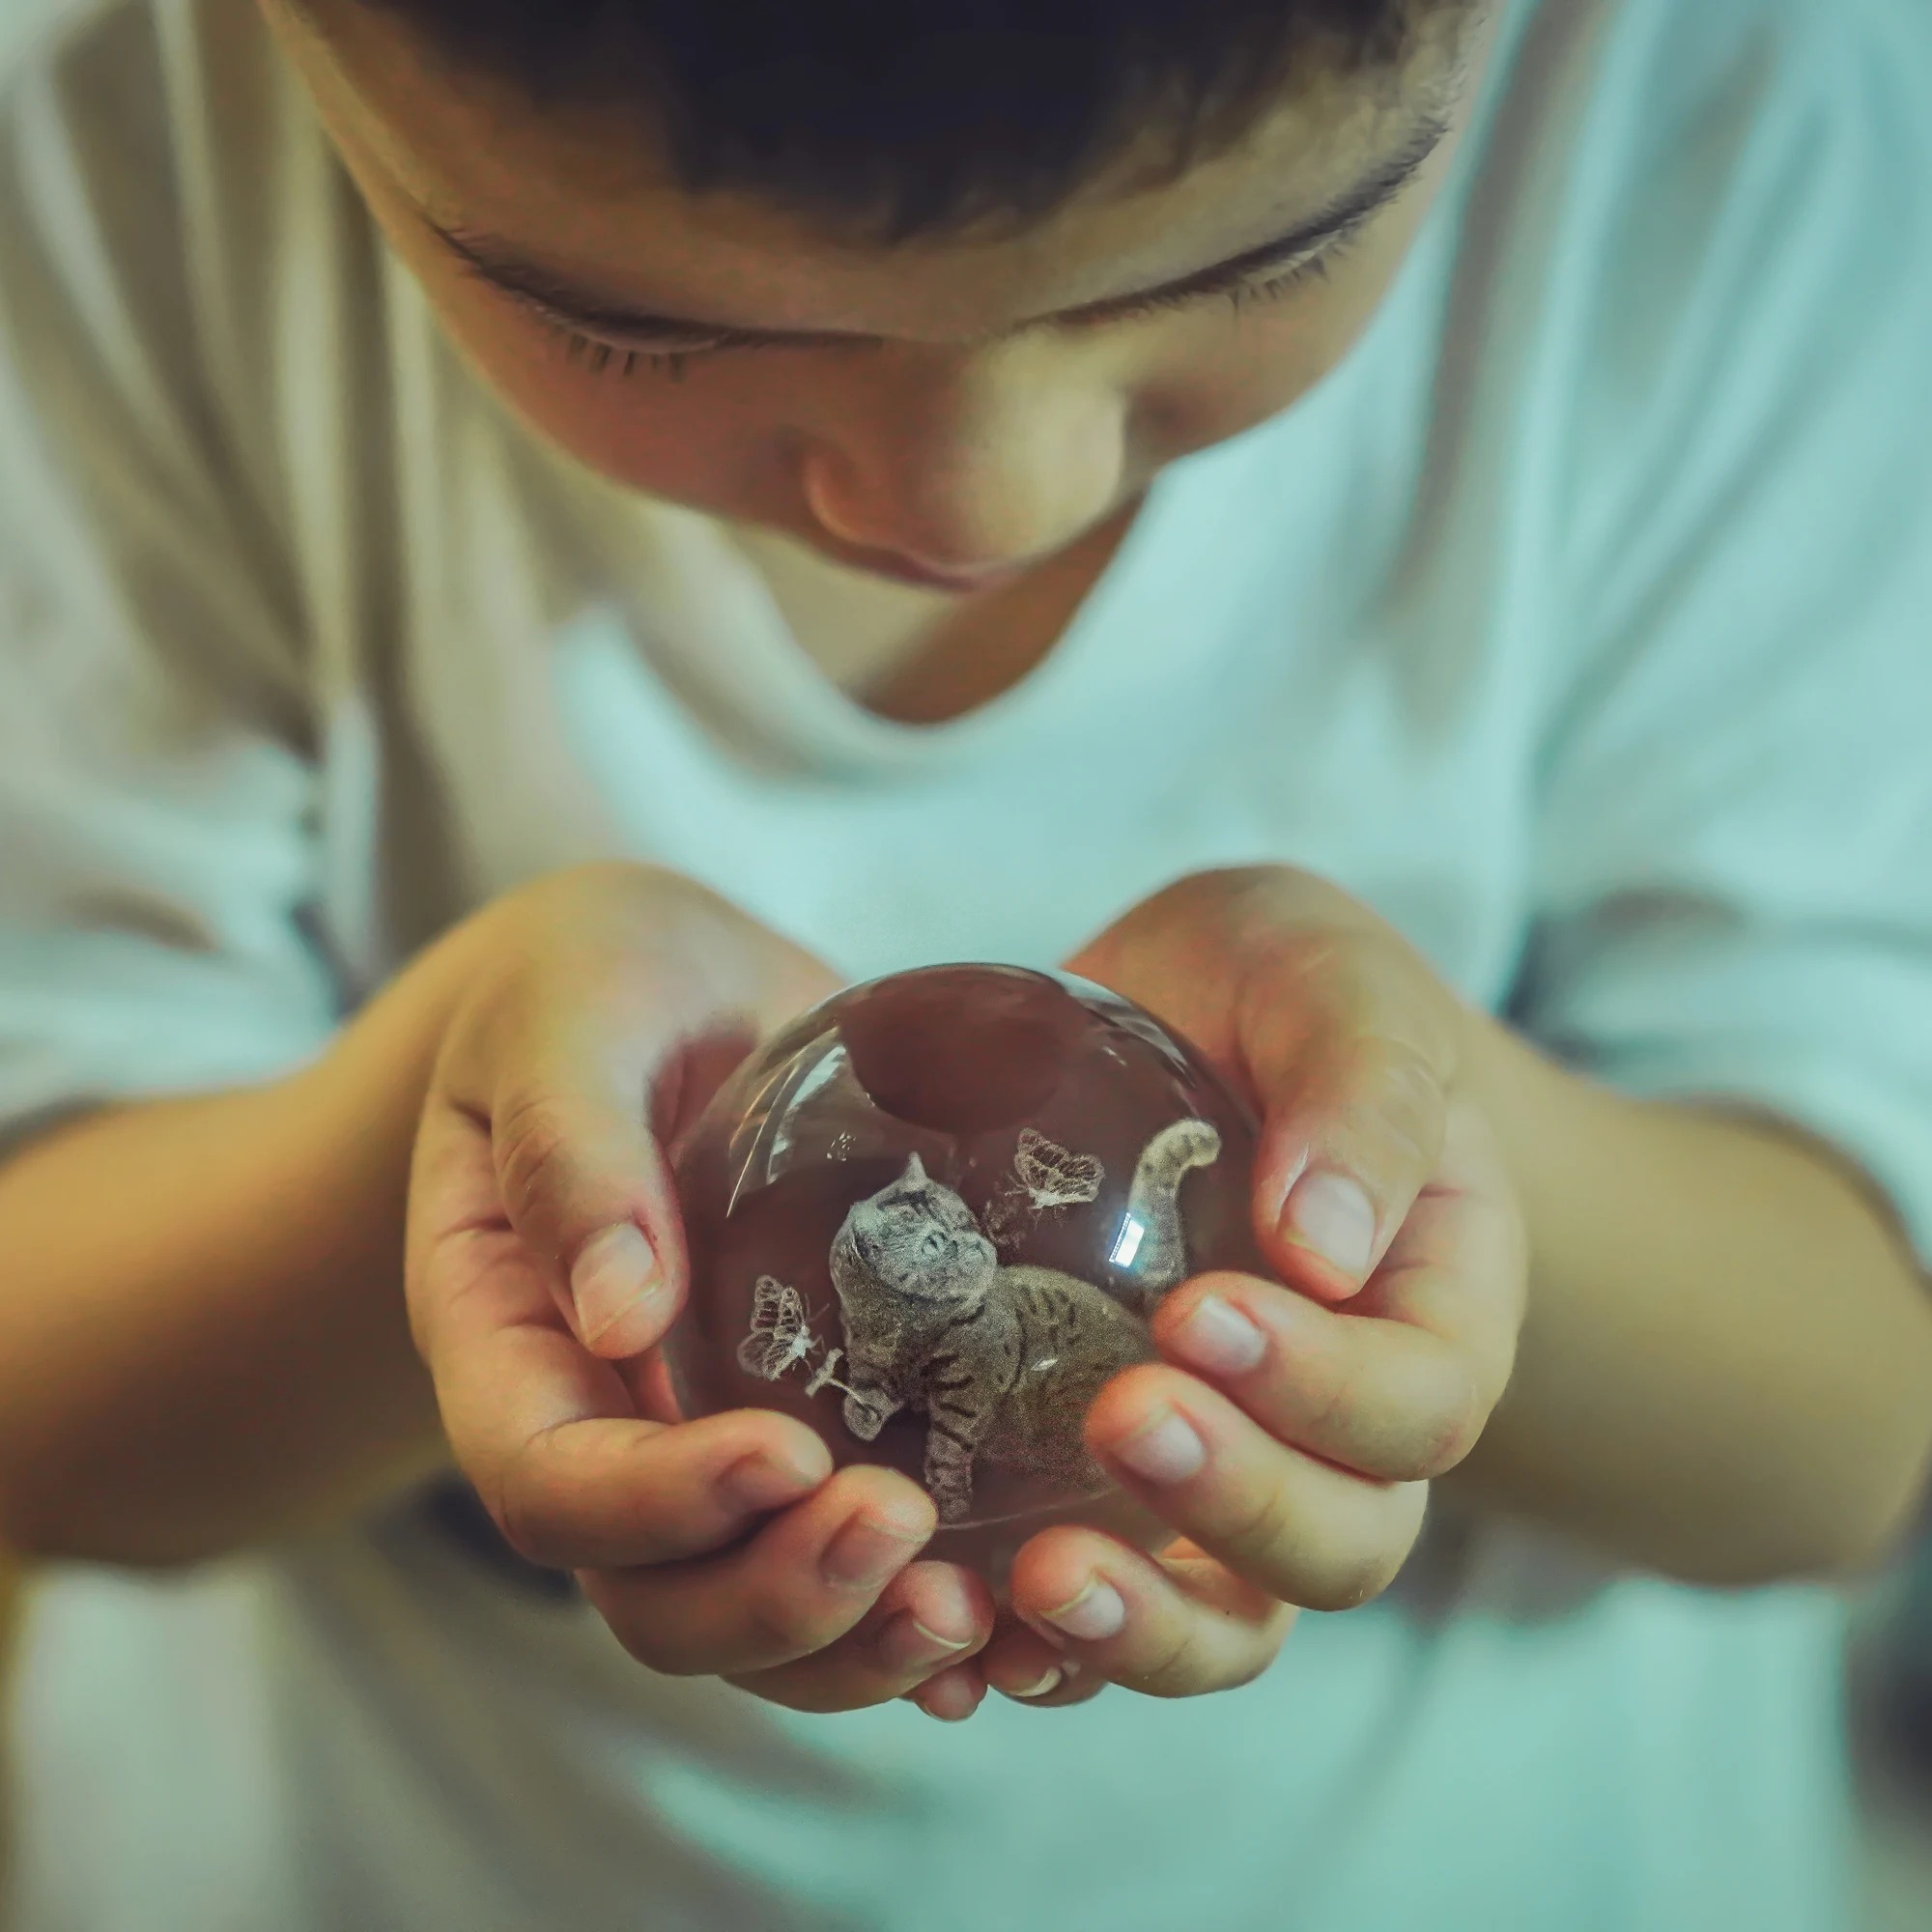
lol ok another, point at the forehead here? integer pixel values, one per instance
(593, 198)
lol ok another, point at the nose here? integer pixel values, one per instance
(971, 468)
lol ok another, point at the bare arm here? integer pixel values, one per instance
(202, 1327)
(213, 1311)
(1693, 1338)
(1726, 1368)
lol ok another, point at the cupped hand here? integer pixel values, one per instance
(1290, 1433)
(546, 1262)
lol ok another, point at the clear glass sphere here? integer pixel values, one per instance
(931, 1220)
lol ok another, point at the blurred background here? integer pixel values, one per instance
(1889, 1668)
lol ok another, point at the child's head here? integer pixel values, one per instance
(938, 284)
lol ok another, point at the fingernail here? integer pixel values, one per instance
(947, 1699)
(766, 1482)
(1165, 1450)
(614, 1272)
(1096, 1614)
(1217, 1338)
(907, 1644)
(1043, 1686)
(1331, 1214)
(867, 1552)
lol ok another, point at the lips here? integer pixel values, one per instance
(929, 577)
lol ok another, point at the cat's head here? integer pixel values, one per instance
(915, 1240)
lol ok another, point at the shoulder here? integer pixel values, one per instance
(160, 171)
(1706, 301)
(1652, 154)
(143, 145)
(1751, 189)
(96, 140)
(1733, 402)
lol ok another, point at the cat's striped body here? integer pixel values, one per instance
(1003, 1361)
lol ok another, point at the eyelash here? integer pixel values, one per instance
(603, 359)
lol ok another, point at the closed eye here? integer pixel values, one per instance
(608, 337)
(672, 355)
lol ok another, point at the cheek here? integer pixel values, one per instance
(1207, 394)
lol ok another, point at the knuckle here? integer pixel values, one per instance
(1260, 1528)
(779, 1626)
(531, 1138)
(524, 1508)
(803, 1692)
(1347, 1579)
(1254, 1660)
(1459, 1423)
(1252, 1668)
(1404, 1105)
(1171, 1669)
(656, 1629)
(1346, 1583)
(1309, 964)
(644, 1642)
(1329, 1401)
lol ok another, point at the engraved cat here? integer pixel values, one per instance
(1004, 1361)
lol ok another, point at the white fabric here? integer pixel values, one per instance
(1579, 622)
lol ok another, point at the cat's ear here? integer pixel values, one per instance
(915, 1174)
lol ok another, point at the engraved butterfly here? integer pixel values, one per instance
(1054, 1177)
(781, 1338)
(1050, 1176)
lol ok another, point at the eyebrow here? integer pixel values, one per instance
(562, 299)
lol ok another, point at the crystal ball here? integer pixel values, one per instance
(932, 1219)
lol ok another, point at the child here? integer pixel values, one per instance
(540, 538)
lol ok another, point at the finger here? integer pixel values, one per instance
(1293, 1525)
(1383, 1398)
(608, 1494)
(1401, 1384)
(1460, 1267)
(583, 1063)
(582, 1181)
(1331, 1024)
(931, 1617)
(1175, 1629)
(548, 1435)
(1353, 1050)
(802, 1582)
(550, 1183)
(1378, 1398)
(1020, 1664)
(952, 1696)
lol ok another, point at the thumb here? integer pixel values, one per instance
(584, 1183)
(607, 1006)
(1352, 1063)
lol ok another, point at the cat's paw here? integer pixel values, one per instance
(953, 1505)
(864, 1419)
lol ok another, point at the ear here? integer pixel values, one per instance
(915, 1174)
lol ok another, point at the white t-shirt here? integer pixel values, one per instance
(1581, 622)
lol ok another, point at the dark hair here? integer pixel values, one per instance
(913, 115)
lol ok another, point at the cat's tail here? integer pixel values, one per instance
(1153, 1203)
